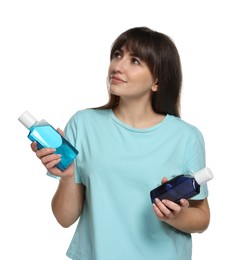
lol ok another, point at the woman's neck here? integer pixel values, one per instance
(137, 116)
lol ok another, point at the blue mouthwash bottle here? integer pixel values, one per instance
(48, 137)
(182, 186)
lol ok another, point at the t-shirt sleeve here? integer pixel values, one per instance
(195, 158)
(71, 135)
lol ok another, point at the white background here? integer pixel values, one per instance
(54, 57)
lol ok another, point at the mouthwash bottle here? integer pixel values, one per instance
(48, 137)
(183, 186)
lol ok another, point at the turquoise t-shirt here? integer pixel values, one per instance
(119, 166)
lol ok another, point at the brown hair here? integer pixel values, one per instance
(162, 57)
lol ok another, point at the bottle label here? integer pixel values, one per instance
(46, 136)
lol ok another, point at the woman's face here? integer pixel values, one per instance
(129, 76)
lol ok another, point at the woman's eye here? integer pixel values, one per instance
(135, 60)
(117, 55)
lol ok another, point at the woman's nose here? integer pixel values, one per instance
(120, 65)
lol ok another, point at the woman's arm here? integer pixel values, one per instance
(68, 200)
(191, 217)
(67, 203)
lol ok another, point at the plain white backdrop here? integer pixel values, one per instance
(54, 57)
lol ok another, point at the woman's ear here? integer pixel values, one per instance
(154, 87)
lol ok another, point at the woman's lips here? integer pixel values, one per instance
(114, 79)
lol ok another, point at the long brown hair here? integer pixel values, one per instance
(162, 57)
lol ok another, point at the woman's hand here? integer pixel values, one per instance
(49, 159)
(167, 209)
(191, 216)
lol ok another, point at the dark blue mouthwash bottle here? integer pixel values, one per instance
(183, 186)
(48, 137)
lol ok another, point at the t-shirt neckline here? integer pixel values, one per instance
(134, 129)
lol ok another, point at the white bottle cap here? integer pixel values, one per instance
(27, 119)
(203, 176)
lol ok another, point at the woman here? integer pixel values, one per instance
(125, 149)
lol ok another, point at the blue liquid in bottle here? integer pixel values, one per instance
(48, 137)
(182, 186)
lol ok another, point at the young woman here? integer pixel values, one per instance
(125, 149)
